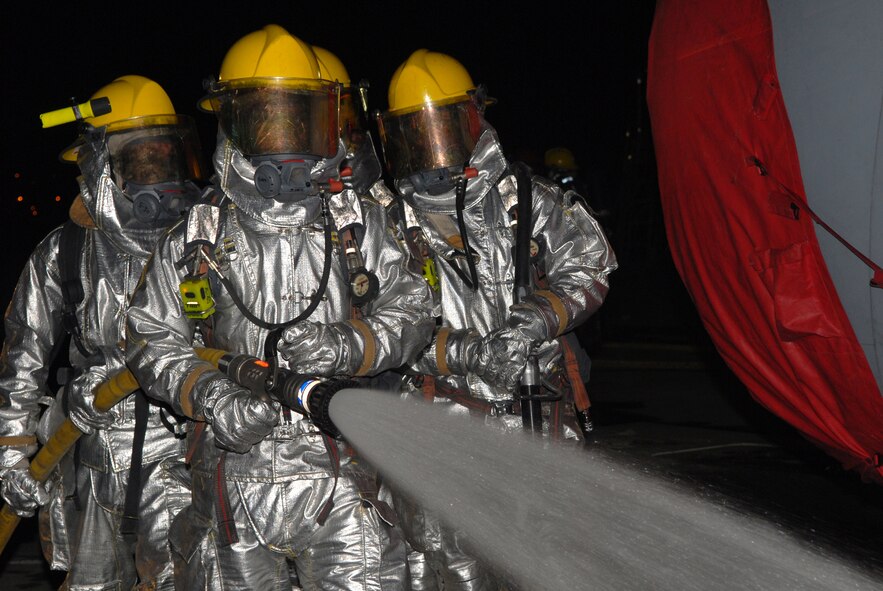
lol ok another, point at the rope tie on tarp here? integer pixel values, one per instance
(798, 203)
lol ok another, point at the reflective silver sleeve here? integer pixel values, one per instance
(32, 326)
(578, 259)
(398, 323)
(160, 337)
(449, 353)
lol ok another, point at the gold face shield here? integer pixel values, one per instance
(154, 150)
(279, 116)
(349, 118)
(429, 138)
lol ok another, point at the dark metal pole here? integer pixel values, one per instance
(529, 389)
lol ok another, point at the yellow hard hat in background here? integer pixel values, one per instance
(428, 77)
(133, 99)
(560, 158)
(330, 66)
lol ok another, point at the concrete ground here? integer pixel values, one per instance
(696, 421)
(674, 407)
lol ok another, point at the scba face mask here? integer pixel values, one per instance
(435, 182)
(286, 128)
(284, 180)
(155, 167)
(293, 178)
(162, 202)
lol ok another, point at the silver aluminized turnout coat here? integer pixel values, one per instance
(115, 250)
(272, 255)
(573, 255)
(572, 259)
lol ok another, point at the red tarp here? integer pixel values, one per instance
(728, 176)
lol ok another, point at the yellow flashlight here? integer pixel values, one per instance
(92, 108)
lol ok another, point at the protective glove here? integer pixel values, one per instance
(316, 349)
(499, 358)
(80, 400)
(527, 319)
(238, 417)
(21, 492)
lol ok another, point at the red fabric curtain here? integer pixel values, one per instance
(746, 251)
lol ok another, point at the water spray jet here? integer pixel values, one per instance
(547, 516)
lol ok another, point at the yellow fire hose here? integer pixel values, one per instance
(115, 389)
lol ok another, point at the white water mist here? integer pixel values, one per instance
(549, 516)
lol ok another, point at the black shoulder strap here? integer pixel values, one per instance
(73, 237)
(132, 503)
(523, 229)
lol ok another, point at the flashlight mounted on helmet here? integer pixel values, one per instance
(77, 112)
(153, 152)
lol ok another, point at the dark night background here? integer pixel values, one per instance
(559, 78)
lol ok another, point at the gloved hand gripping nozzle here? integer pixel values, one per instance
(306, 395)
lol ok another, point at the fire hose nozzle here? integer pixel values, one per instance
(312, 397)
(306, 395)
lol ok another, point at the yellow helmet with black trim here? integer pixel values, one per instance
(561, 158)
(135, 102)
(271, 98)
(434, 118)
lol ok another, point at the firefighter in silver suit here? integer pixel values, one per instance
(107, 520)
(458, 210)
(291, 266)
